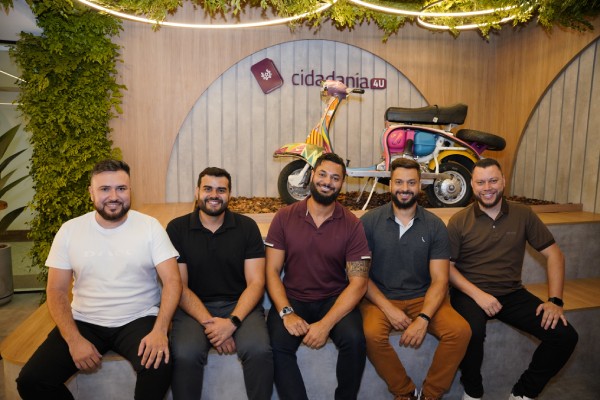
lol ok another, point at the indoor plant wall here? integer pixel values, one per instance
(6, 281)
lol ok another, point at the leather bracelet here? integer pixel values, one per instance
(425, 317)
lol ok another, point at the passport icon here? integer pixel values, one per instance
(266, 74)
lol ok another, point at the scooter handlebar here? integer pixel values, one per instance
(356, 90)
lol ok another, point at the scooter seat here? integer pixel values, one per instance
(430, 115)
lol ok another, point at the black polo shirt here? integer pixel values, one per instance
(489, 253)
(215, 261)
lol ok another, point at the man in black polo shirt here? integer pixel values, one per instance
(222, 265)
(488, 245)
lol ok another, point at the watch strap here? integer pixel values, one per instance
(235, 321)
(556, 300)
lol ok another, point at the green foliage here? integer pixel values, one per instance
(5, 141)
(68, 98)
(573, 14)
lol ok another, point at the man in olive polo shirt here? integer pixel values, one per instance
(488, 241)
(222, 265)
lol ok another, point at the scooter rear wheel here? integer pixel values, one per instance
(454, 192)
(290, 193)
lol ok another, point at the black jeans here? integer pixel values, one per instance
(44, 375)
(347, 335)
(518, 310)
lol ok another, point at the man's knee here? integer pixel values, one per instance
(567, 337)
(258, 350)
(189, 352)
(26, 383)
(461, 330)
(32, 386)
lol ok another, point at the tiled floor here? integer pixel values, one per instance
(11, 315)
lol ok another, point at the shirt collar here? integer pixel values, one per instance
(390, 212)
(302, 211)
(228, 222)
(503, 208)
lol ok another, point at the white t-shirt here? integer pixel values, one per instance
(115, 279)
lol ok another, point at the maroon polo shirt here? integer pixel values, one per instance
(489, 253)
(315, 258)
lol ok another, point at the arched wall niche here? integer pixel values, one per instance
(234, 125)
(558, 157)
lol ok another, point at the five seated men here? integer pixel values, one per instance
(352, 280)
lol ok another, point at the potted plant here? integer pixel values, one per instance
(6, 278)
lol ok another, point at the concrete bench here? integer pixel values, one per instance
(224, 379)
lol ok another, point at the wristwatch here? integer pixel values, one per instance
(287, 310)
(556, 300)
(235, 321)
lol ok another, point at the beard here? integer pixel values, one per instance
(113, 216)
(484, 204)
(406, 204)
(212, 212)
(322, 199)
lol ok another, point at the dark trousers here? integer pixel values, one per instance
(518, 310)
(190, 346)
(44, 375)
(347, 335)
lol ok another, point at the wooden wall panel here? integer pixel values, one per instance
(558, 158)
(501, 80)
(240, 127)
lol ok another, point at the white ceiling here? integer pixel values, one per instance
(19, 18)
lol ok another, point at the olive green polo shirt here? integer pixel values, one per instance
(489, 253)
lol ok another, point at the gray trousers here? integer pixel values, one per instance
(190, 346)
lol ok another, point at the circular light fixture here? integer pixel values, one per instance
(424, 13)
(271, 22)
(462, 27)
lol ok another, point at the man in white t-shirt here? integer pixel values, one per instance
(114, 258)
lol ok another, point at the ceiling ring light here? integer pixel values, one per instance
(424, 13)
(278, 21)
(462, 27)
(465, 26)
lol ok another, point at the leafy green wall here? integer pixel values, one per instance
(67, 101)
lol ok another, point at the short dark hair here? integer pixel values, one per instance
(407, 163)
(109, 165)
(215, 171)
(334, 158)
(487, 162)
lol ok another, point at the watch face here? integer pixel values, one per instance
(285, 311)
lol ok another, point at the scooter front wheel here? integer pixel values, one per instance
(289, 191)
(453, 192)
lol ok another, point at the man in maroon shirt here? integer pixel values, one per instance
(322, 248)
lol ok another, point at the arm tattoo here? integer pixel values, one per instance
(358, 268)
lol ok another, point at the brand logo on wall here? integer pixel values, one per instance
(268, 77)
(312, 78)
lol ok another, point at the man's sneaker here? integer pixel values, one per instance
(467, 397)
(423, 397)
(408, 396)
(513, 397)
